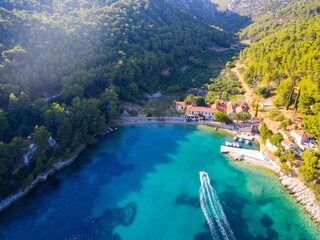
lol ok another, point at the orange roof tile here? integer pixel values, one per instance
(203, 109)
(301, 133)
(257, 118)
(287, 142)
(181, 104)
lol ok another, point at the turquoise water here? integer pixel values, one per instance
(142, 182)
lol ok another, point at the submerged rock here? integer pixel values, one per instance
(183, 199)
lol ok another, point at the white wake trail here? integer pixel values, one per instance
(213, 210)
(203, 204)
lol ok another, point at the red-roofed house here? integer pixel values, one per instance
(181, 105)
(221, 105)
(203, 111)
(287, 144)
(236, 107)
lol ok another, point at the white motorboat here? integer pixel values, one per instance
(203, 173)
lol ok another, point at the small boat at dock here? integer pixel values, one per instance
(234, 144)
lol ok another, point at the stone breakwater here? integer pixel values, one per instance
(7, 202)
(302, 194)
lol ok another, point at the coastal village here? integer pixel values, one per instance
(282, 156)
(296, 139)
(245, 124)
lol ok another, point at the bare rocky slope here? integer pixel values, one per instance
(256, 8)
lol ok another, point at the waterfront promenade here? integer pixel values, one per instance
(177, 120)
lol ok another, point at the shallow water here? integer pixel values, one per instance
(142, 182)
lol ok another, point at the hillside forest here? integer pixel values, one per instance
(285, 58)
(65, 67)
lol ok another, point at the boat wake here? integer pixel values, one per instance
(213, 211)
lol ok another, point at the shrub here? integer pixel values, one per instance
(285, 123)
(273, 113)
(280, 117)
(264, 91)
(133, 113)
(276, 139)
(222, 117)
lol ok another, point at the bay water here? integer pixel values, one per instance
(142, 182)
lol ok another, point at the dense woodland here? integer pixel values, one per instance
(66, 65)
(287, 60)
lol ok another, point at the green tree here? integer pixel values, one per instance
(109, 103)
(222, 117)
(276, 139)
(264, 91)
(265, 132)
(311, 165)
(64, 133)
(40, 139)
(199, 101)
(3, 125)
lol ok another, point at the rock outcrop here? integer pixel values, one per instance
(302, 194)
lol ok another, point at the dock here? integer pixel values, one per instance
(245, 137)
(250, 156)
(245, 152)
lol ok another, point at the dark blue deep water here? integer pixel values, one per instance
(142, 182)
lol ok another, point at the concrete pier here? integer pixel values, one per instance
(245, 152)
(249, 156)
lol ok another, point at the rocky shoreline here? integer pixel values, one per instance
(302, 194)
(295, 186)
(7, 202)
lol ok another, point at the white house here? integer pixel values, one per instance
(302, 138)
(181, 106)
(272, 148)
(266, 104)
(29, 154)
(287, 144)
(208, 113)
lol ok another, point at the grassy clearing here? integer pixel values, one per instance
(238, 97)
(160, 107)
